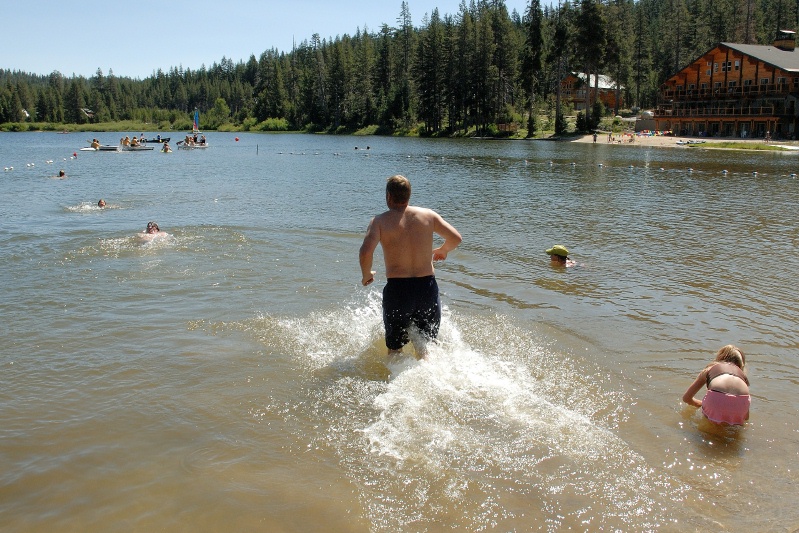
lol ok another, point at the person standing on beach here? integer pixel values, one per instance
(405, 233)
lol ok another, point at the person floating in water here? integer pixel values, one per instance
(559, 256)
(152, 232)
(727, 398)
(101, 203)
(405, 233)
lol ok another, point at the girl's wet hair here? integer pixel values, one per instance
(152, 225)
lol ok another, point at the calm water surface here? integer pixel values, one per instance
(233, 375)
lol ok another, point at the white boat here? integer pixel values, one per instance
(101, 148)
(139, 148)
(185, 146)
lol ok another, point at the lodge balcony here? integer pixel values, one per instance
(717, 111)
(747, 91)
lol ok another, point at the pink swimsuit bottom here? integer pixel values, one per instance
(729, 408)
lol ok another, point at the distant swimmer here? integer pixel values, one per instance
(559, 256)
(727, 398)
(405, 233)
(101, 203)
(61, 175)
(152, 231)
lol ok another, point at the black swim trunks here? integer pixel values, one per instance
(410, 301)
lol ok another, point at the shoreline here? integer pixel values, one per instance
(670, 141)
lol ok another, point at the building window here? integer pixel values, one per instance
(691, 86)
(732, 83)
(679, 87)
(780, 81)
(747, 83)
(737, 65)
(715, 67)
(717, 85)
(708, 72)
(764, 81)
(703, 85)
(795, 82)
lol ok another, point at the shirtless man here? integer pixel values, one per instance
(405, 233)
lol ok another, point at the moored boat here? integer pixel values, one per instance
(157, 140)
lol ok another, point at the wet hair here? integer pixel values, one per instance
(731, 354)
(152, 226)
(398, 189)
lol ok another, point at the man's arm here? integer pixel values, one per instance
(366, 254)
(450, 235)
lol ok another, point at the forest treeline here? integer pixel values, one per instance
(468, 72)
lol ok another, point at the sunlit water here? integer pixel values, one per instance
(232, 376)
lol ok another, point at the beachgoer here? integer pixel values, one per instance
(152, 227)
(727, 398)
(166, 147)
(95, 144)
(405, 233)
(126, 141)
(202, 140)
(134, 141)
(559, 256)
(61, 174)
(101, 203)
(594, 136)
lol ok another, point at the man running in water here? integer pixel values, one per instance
(405, 233)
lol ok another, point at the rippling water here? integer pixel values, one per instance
(233, 376)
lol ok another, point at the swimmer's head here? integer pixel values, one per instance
(152, 227)
(101, 203)
(61, 173)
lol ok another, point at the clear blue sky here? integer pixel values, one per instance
(136, 38)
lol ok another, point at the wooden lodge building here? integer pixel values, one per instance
(575, 89)
(735, 90)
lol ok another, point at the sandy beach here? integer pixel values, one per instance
(671, 141)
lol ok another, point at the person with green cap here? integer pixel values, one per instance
(559, 256)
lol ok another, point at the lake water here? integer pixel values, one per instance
(233, 375)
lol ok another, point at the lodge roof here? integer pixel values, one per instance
(782, 59)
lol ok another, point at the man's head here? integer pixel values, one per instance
(398, 190)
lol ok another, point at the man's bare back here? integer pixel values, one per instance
(406, 236)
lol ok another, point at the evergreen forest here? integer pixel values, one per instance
(474, 72)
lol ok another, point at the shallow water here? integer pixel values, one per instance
(233, 375)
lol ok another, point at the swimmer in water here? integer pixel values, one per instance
(152, 231)
(559, 256)
(101, 203)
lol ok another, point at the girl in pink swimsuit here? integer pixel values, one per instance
(727, 399)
